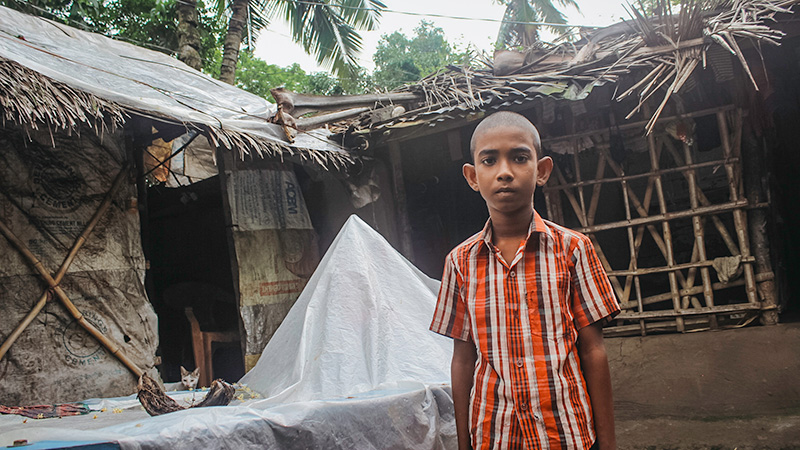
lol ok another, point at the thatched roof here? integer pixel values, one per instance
(667, 48)
(655, 56)
(58, 76)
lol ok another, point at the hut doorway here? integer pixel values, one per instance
(189, 267)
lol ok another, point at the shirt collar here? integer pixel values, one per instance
(537, 225)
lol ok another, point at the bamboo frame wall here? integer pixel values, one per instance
(690, 288)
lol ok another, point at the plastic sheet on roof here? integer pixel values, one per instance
(140, 79)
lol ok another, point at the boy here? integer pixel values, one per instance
(524, 301)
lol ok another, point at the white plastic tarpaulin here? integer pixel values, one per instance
(352, 366)
(361, 321)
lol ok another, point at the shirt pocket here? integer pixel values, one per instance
(548, 307)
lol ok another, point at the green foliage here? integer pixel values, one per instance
(400, 60)
(146, 23)
(256, 76)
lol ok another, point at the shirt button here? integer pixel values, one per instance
(524, 405)
(513, 274)
(519, 362)
(537, 417)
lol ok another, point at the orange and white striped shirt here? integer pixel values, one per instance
(524, 316)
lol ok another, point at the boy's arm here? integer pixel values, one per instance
(594, 365)
(462, 370)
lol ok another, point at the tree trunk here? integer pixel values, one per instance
(233, 40)
(188, 34)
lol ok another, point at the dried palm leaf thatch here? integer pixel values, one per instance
(28, 98)
(699, 23)
(666, 47)
(156, 402)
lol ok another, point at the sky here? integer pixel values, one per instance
(276, 47)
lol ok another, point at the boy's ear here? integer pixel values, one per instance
(545, 167)
(469, 174)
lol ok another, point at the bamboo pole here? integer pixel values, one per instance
(740, 222)
(661, 326)
(595, 201)
(723, 231)
(699, 236)
(101, 210)
(697, 290)
(582, 218)
(684, 266)
(687, 312)
(647, 220)
(662, 204)
(640, 208)
(579, 212)
(640, 124)
(681, 168)
(577, 163)
(106, 342)
(633, 264)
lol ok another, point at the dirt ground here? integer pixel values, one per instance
(711, 390)
(763, 432)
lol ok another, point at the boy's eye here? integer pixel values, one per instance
(488, 161)
(521, 158)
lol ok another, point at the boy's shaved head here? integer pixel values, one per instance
(505, 119)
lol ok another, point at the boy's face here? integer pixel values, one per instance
(506, 170)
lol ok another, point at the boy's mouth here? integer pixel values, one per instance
(505, 189)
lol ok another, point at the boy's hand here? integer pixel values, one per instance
(594, 365)
(462, 370)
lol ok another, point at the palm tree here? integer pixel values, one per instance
(188, 34)
(326, 29)
(517, 28)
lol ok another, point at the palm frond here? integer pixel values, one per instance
(361, 14)
(327, 30)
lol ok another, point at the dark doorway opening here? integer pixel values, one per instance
(189, 267)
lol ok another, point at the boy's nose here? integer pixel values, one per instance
(504, 172)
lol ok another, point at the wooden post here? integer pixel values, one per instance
(226, 162)
(399, 188)
(753, 171)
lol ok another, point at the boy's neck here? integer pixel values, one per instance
(515, 225)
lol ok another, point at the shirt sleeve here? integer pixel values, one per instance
(450, 317)
(593, 297)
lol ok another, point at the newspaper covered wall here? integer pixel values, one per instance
(50, 186)
(276, 247)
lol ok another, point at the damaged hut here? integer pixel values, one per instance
(670, 138)
(99, 261)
